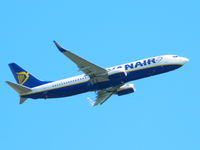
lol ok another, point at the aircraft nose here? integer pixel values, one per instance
(185, 60)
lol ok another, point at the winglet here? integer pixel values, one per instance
(59, 47)
(91, 101)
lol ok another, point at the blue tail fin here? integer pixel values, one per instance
(25, 78)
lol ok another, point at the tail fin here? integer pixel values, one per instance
(19, 89)
(23, 77)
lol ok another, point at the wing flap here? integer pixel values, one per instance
(102, 98)
(103, 95)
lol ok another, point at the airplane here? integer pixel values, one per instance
(105, 82)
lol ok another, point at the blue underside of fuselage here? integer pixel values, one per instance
(87, 86)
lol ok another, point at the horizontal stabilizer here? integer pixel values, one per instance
(22, 100)
(19, 88)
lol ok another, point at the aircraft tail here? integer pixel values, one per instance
(25, 78)
(19, 89)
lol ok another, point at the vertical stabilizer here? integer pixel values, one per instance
(23, 77)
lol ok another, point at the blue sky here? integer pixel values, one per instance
(162, 114)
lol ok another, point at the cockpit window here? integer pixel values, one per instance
(175, 56)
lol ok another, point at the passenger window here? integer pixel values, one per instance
(175, 56)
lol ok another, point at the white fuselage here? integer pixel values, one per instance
(128, 67)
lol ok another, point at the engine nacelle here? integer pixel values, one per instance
(126, 89)
(117, 73)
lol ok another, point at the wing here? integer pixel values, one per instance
(103, 95)
(96, 73)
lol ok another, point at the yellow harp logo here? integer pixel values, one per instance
(22, 77)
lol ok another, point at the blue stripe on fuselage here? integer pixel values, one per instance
(87, 86)
(143, 73)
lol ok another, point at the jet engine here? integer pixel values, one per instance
(126, 89)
